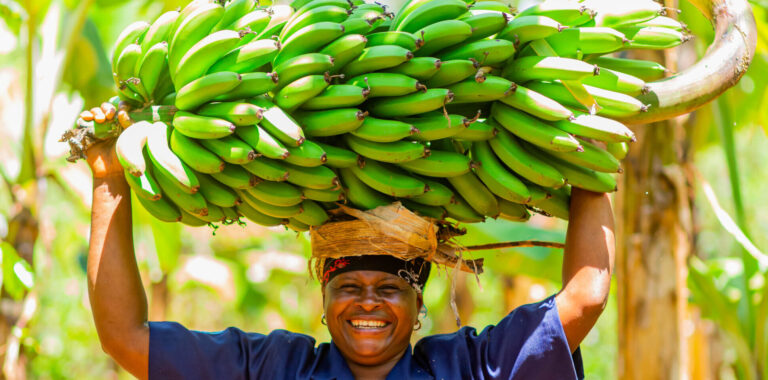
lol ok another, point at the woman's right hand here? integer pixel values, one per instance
(101, 156)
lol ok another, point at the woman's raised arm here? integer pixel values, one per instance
(590, 248)
(114, 287)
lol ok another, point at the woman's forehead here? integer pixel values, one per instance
(367, 276)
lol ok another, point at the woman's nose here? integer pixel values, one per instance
(368, 298)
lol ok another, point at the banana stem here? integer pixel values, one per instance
(725, 62)
(154, 113)
(515, 244)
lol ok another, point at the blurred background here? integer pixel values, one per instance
(689, 295)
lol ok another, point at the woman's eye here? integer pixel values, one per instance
(389, 287)
(348, 286)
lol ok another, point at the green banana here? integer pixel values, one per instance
(613, 14)
(144, 186)
(664, 22)
(265, 208)
(524, 29)
(247, 58)
(202, 55)
(125, 73)
(205, 89)
(338, 157)
(344, 49)
(201, 127)
(337, 96)
(159, 30)
(251, 85)
(476, 194)
(194, 155)
(388, 179)
(191, 203)
(387, 84)
(576, 42)
(311, 214)
(300, 19)
(394, 152)
(238, 113)
(462, 211)
(254, 22)
(547, 68)
(309, 154)
(406, 9)
(236, 177)
(472, 91)
(162, 209)
(435, 126)
(514, 212)
(612, 104)
(645, 70)
(496, 176)
(481, 130)
(431, 12)
(377, 58)
(257, 217)
(563, 11)
(217, 193)
(435, 212)
(591, 158)
(278, 122)
(317, 177)
(268, 169)
(441, 35)
(130, 35)
(152, 67)
(129, 148)
(191, 220)
(233, 10)
(302, 66)
(231, 149)
(412, 104)
(533, 130)
(536, 104)
(296, 93)
(231, 215)
(452, 72)
(280, 14)
(308, 39)
(300, 8)
(441, 164)
(168, 163)
(582, 177)
(276, 193)
(618, 149)
(485, 23)
(557, 204)
(324, 195)
(331, 122)
(509, 149)
(653, 38)
(357, 26)
(421, 68)
(192, 29)
(437, 195)
(384, 130)
(486, 52)
(360, 194)
(263, 142)
(215, 215)
(491, 5)
(596, 127)
(403, 39)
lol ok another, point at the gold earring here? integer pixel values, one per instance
(418, 325)
(323, 321)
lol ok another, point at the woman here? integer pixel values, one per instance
(371, 310)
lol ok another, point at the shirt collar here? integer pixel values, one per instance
(333, 366)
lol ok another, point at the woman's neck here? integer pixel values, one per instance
(376, 372)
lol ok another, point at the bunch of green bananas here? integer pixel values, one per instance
(458, 109)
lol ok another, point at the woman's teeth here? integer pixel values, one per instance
(361, 324)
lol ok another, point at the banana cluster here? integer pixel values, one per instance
(458, 109)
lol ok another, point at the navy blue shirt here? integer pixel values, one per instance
(529, 343)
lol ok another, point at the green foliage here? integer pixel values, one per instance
(13, 14)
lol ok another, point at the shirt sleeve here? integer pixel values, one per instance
(529, 343)
(176, 352)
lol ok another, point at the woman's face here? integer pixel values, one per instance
(370, 315)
